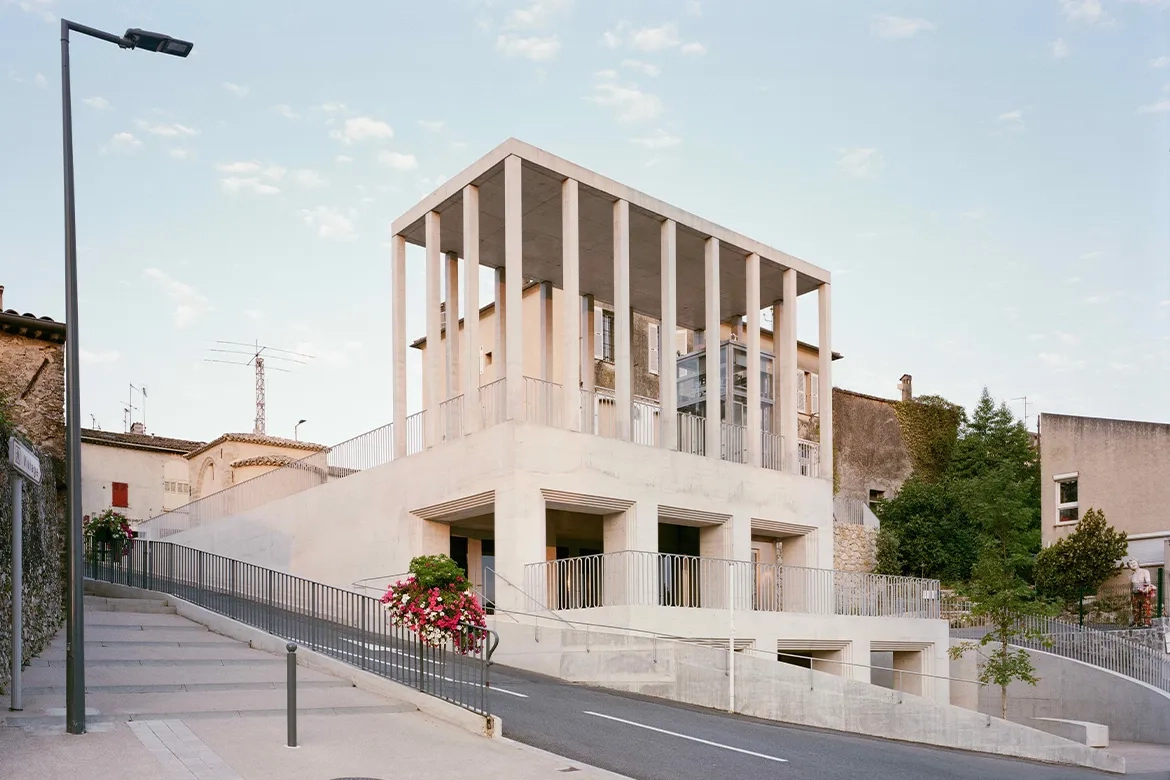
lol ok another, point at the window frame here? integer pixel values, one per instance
(608, 346)
(124, 488)
(653, 348)
(1059, 480)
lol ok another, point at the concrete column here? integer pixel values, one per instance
(588, 342)
(754, 414)
(521, 535)
(433, 380)
(623, 364)
(786, 352)
(471, 378)
(500, 354)
(711, 347)
(571, 353)
(398, 334)
(825, 370)
(777, 316)
(451, 322)
(514, 294)
(546, 332)
(667, 363)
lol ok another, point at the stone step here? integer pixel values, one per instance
(103, 604)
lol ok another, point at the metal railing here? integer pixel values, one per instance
(854, 511)
(1098, 648)
(542, 402)
(633, 578)
(333, 621)
(416, 433)
(772, 451)
(809, 456)
(733, 446)
(692, 434)
(451, 418)
(644, 422)
(493, 403)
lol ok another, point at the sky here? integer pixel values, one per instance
(989, 183)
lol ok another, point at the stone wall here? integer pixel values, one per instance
(869, 452)
(854, 547)
(32, 382)
(643, 384)
(43, 557)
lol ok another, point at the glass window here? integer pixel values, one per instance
(1067, 506)
(607, 336)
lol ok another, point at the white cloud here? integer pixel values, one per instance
(1060, 362)
(100, 103)
(363, 128)
(538, 13)
(98, 356)
(1074, 280)
(1096, 254)
(658, 139)
(1013, 121)
(649, 68)
(1059, 49)
(535, 48)
(343, 158)
(608, 74)
(861, 162)
(180, 153)
(1097, 300)
(432, 125)
(628, 103)
(239, 90)
(655, 38)
(397, 160)
(331, 107)
(286, 111)
(174, 130)
(693, 8)
(190, 304)
(41, 8)
(693, 48)
(893, 27)
(254, 314)
(308, 179)
(1161, 62)
(330, 223)
(974, 214)
(612, 39)
(1157, 107)
(40, 80)
(238, 167)
(124, 142)
(1087, 11)
(247, 184)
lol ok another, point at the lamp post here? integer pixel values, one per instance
(296, 436)
(74, 633)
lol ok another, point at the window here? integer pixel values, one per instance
(801, 402)
(654, 348)
(485, 359)
(604, 349)
(815, 394)
(119, 494)
(680, 341)
(1067, 508)
(168, 486)
(875, 498)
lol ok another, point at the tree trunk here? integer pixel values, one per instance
(1003, 688)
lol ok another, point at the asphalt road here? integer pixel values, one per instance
(647, 739)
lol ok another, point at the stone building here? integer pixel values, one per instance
(32, 377)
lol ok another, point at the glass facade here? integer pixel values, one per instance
(692, 384)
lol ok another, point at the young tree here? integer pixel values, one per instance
(1001, 500)
(1081, 562)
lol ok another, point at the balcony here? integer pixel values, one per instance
(632, 578)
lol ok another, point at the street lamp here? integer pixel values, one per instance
(298, 425)
(75, 594)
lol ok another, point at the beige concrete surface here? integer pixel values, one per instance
(198, 716)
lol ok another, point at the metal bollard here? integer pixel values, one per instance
(292, 695)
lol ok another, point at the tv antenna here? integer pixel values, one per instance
(128, 408)
(1024, 398)
(257, 356)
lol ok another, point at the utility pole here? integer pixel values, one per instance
(258, 356)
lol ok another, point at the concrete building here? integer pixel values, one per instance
(1117, 466)
(32, 376)
(676, 516)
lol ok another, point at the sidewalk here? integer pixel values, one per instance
(169, 699)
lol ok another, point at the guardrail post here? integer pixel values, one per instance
(292, 695)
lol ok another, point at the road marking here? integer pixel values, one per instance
(687, 736)
(371, 646)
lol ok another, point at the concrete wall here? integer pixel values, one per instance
(1133, 711)
(1122, 468)
(143, 471)
(32, 381)
(765, 688)
(868, 450)
(854, 547)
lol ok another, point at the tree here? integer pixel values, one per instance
(926, 531)
(1081, 562)
(1001, 499)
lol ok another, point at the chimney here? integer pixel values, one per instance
(1, 297)
(905, 386)
(138, 428)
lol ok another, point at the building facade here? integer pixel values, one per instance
(32, 377)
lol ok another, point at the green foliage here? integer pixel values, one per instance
(1078, 564)
(926, 531)
(439, 571)
(993, 438)
(930, 428)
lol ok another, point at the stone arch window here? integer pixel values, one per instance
(205, 482)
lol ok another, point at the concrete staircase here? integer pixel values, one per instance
(140, 606)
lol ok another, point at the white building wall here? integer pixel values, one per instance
(145, 473)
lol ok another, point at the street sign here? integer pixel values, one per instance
(24, 459)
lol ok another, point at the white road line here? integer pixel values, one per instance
(370, 646)
(686, 736)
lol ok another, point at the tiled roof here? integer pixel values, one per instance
(31, 326)
(272, 460)
(139, 441)
(259, 438)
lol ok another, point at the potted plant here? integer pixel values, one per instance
(437, 603)
(109, 530)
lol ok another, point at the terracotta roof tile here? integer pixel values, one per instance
(258, 438)
(141, 441)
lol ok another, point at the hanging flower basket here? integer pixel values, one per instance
(436, 603)
(109, 530)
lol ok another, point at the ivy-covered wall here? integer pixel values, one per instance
(868, 450)
(43, 556)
